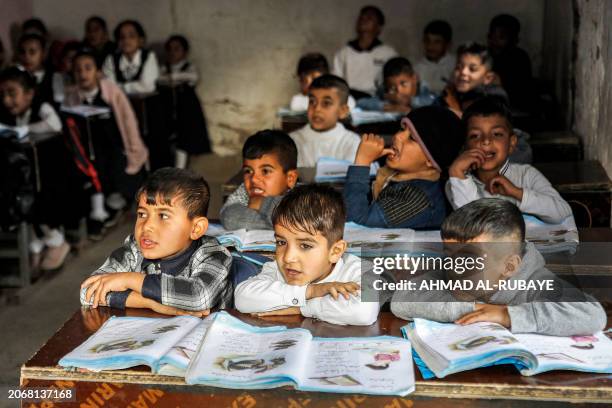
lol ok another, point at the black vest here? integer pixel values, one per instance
(144, 54)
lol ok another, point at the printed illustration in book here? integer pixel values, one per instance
(446, 348)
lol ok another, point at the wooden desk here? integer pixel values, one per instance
(556, 146)
(586, 186)
(138, 387)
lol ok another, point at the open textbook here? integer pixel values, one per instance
(447, 348)
(550, 238)
(223, 351)
(329, 169)
(86, 111)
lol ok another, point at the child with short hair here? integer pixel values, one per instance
(119, 154)
(312, 275)
(97, 39)
(177, 82)
(473, 78)
(495, 231)
(63, 78)
(403, 89)
(361, 60)
(22, 111)
(408, 190)
(269, 166)
(436, 67)
(31, 56)
(167, 264)
(484, 169)
(325, 135)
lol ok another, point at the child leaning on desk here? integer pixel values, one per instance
(312, 275)
(408, 190)
(494, 230)
(167, 264)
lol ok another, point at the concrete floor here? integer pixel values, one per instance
(31, 315)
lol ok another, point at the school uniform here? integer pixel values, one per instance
(183, 108)
(268, 291)
(338, 143)
(436, 73)
(362, 68)
(44, 85)
(539, 197)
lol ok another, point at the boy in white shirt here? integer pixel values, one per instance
(312, 275)
(324, 135)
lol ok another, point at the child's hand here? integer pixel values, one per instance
(293, 310)
(255, 202)
(98, 286)
(346, 289)
(371, 148)
(175, 311)
(487, 313)
(469, 160)
(501, 185)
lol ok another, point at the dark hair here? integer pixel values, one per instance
(98, 20)
(272, 141)
(508, 23)
(376, 11)
(168, 183)
(137, 26)
(441, 28)
(479, 50)
(396, 66)
(310, 62)
(88, 53)
(31, 37)
(488, 106)
(328, 81)
(180, 39)
(70, 46)
(34, 24)
(312, 208)
(22, 77)
(492, 216)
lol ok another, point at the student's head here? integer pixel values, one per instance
(504, 32)
(269, 163)
(399, 77)
(130, 36)
(177, 48)
(16, 90)
(172, 207)
(370, 21)
(430, 139)
(96, 32)
(86, 73)
(308, 228)
(310, 67)
(437, 37)
(31, 51)
(327, 102)
(34, 26)
(488, 127)
(70, 49)
(474, 67)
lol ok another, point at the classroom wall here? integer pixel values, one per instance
(12, 13)
(593, 71)
(247, 49)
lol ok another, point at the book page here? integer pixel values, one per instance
(86, 110)
(235, 353)
(183, 351)
(552, 237)
(582, 353)
(375, 365)
(126, 341)
(330, 169)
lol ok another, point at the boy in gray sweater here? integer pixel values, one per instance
(269, 165)
(518, 292)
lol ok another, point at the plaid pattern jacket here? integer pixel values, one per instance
(202, 284)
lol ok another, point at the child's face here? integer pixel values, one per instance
(95, 35)
(175, 52)
(163, 231)
(367, 24)
(265, 177)
(129, 40)
(306, 79)
(325, 108)
(86, 73)
(494, 137)
(407, 156)
(31, 55)
(403, 85)
(435, 46)
(15, 98)
(304, 258)
(470, 73)
(498, 39)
